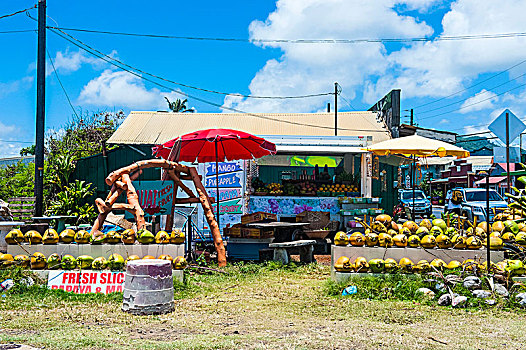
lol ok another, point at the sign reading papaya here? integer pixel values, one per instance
(88, 281)
(231, 189)
(155, 197)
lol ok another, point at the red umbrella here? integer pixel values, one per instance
(215, 145)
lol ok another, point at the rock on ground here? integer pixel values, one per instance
(501, 290)
(472, 282)
(479, 293)
(427, 292)
(459, 301)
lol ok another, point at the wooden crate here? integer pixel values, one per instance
(257, 233)
(258, 217)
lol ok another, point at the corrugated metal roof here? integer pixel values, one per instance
(158, 127)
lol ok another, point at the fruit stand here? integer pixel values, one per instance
(449, 243)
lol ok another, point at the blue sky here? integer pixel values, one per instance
(424, 71)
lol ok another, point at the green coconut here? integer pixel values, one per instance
(68, 262)
(53, 261)
(376, 265)
(84, 262)
(440, 223)
(145, 237)
(115, 262)
(97, 237)
(99, 264)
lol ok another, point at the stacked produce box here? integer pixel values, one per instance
(241, 230)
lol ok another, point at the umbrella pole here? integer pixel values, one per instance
(217, 188)
(413, 181)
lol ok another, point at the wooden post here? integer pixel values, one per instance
(133, 199)
(121, 181)
(170, 218)
(214, 228)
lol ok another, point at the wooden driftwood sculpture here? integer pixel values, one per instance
(120, 182)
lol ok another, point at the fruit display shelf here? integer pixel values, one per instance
(97, 249)
(414, 254)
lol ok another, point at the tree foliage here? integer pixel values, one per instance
(81, 137)
(179, 106)
(72, 201)
(17, 180)
(28, 151)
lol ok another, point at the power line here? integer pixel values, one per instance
(16, 141)
(473, 104)
(483, 93)
(479, 139)
(303, 41)
(473, 134)
(118, 64)
(17, 31)
(62, 86)
(191, 86)
(346, 101)
(472, 86)
(20, 11)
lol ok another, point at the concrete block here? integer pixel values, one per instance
(104, 250)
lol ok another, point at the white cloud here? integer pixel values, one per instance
(8, 134)
(15, 86)
(473, 129)
(122, 89)
(444, 121)
(420, 5)
(440, 68)
(482, 100)
(313, 68)
(421, 69)
(6, 130)
(71, 61)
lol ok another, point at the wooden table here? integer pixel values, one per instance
(5, 227)
(61, 220)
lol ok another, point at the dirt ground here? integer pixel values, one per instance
(275, 309)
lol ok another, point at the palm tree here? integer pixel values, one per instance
(179, 106)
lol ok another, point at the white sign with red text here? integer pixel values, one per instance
(83, 282)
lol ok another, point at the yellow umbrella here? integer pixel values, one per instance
(417, 146)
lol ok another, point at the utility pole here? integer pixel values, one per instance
(40, 109)
(335, 109)
(411, 121)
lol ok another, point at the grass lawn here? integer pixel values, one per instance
(255, 307)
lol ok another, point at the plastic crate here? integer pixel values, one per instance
(375, 211)
(352, 194)
(361, 211)
(359, 200)
(374, 200)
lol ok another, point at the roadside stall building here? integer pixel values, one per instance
(312, 170)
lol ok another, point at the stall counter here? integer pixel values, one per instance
(285, 206)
